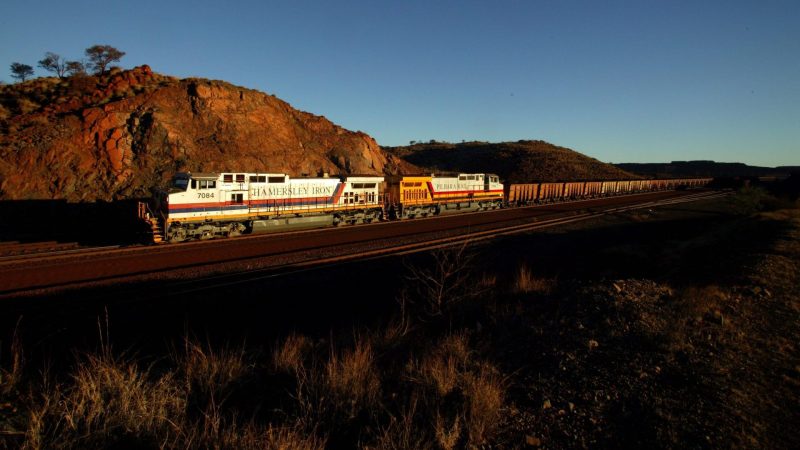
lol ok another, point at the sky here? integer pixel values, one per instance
(620, 81)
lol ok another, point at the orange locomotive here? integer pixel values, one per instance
(411, 196)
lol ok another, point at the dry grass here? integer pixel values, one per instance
(487, 281)
(452, 401)
(440, 373)
(526, 282)
(110, 395)
(351, 379)
(443, 368)
(447, 436)
(209, 371)
(112, 401)
(448, 374)
(108, 400)
(484, 390)
(290, 356)
(395, 332)
(215, 432)
(337, 391)
(10, 378)
(287, 438)
(402, 432)
(309, 395)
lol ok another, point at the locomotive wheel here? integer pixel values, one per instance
(178, 236)
(235, 229)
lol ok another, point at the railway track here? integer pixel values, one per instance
(253, 255)
(247, 276)
(39, 250)
(15, 249)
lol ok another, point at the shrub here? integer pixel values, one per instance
(445, 283)
(749, 200)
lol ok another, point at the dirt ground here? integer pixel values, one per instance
(683, 338)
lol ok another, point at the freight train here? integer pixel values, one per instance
(209, 205)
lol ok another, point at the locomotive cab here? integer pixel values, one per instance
(180, 182)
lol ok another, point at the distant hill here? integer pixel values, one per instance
(515, 162)
(115, 136)
(705, 169)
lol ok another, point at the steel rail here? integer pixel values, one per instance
(42, 255)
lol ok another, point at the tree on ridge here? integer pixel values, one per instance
(76, 68)
(21, 71)
(100, 56)
(54, 63)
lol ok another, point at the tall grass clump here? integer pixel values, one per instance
(290, 356)
(109, 400)
(402, 432)
(525, 282)
(443, 367)
(208, 371)
(214, 431)
(10, 377)
(484, 391)
(351, 379)
(463, 395)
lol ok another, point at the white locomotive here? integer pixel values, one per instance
(207, 205)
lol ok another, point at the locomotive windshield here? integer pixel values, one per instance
(180, 183)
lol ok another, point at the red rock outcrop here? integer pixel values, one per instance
(89, 138)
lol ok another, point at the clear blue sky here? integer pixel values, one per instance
(622, 81)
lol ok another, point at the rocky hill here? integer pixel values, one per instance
(515, 162)
(116, 136)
